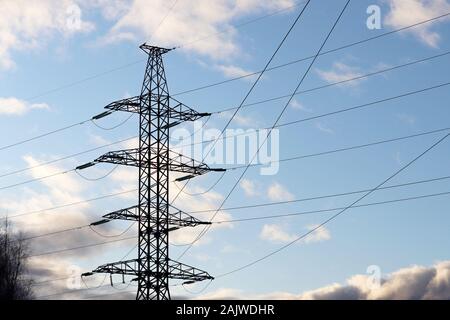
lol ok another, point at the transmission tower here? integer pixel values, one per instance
(158, 112)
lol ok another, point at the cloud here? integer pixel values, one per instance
(319, 235)
(249, 187)
(16, 107)
(341, 72)
(276, 233)
(28, 25)
(277, 192)
(321, 127)
(297, 105)
(235, 72)
(403, 13)
(411, 283)
(188, 23)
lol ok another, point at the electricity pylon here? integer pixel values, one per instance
(158, 112)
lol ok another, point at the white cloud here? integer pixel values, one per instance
(412, 283)
(28, 25)
(235, 72)
(189, 23)
(277, 192)
(16, 107)
(341, 72)
(249, 187)
(403, 13)
(318, 235)
(297, 105)
(321, 127)
(276, 233)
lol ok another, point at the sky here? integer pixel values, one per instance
(61, 62)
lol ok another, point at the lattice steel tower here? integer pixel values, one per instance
(158, 112)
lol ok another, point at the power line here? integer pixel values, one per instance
(69, 204)
(98, 75)
(80, 247)
(268, 204)
(65, 157)
(321, 197)
(334, 209)
(339, 213)
(245, 105)
(206, 86)
(240, 167)
(203, 232)
(337, 111)
(286, 64)
(250, 90)
(359, 77)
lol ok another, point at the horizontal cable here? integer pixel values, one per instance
(440, 194)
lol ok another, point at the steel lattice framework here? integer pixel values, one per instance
(158, 112)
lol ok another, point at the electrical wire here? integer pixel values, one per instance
(206, 228)
(251, 89)
(252, 165)
(337, 214)
(99, 178)
(113, 127)
(267, 204)
(79, 247)
(112, 236)
(346, 46)
(69, 204)
(202, 87)
(202, 192)
(244, 106)
(285, 215)
(65, 157)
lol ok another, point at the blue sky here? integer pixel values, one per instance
(99, 62)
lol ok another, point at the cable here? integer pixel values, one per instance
(252, 165)
(367, 75)
(80, 247)
(237, 26)
(197, 292)
(346, 46)
(206, 228)
(72, 84)
(68, 204)
(251, 88)
(298, 214)
(203, 192)
(36, 179)
(65, 157)
(275, 216)
(112, 236)
(340, 212)
(99, 178)
(43, 135)
(267, 204)
(227, 109)
(371, 144)
(321, 87)
(113, 127)
(321, 197)
(361, 106)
